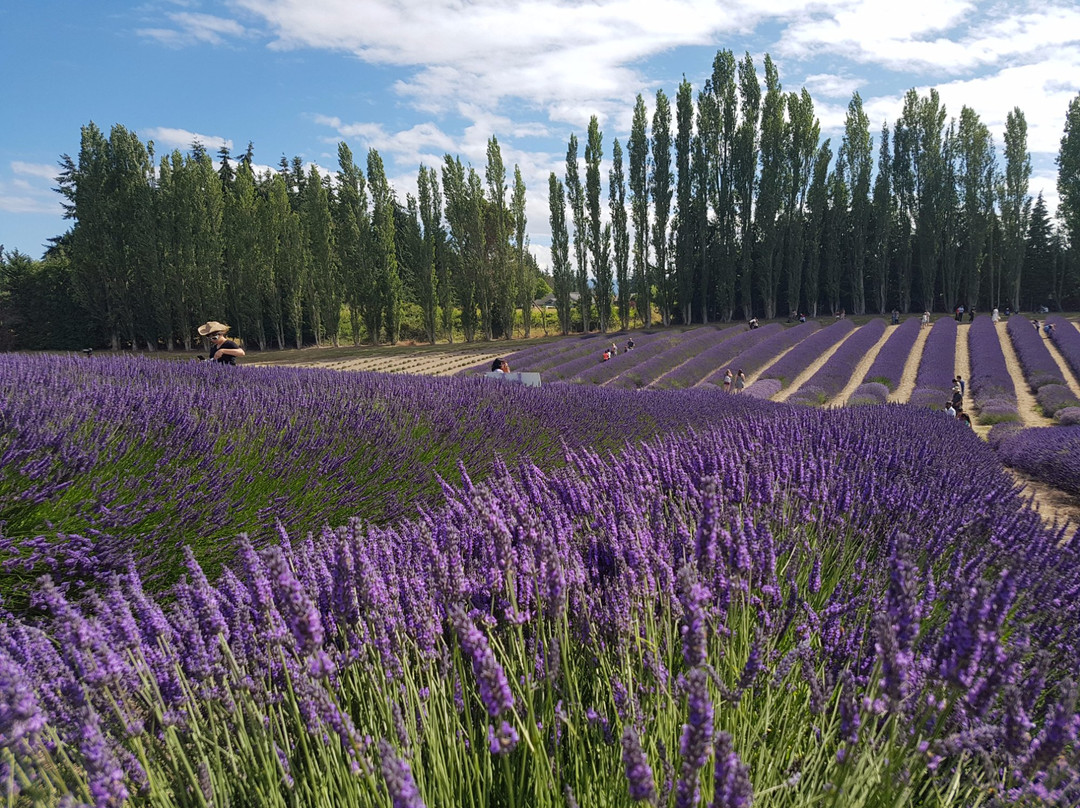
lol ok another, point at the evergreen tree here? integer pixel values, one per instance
(500, 275)
(241, 256)
(321, 292)
(817, 221)
(1040, 259)
(717, 123)
(463, 214)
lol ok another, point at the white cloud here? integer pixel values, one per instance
(168, 138)
(192, 28)
(30, 190)
(39, 170)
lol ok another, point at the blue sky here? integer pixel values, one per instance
(419, 78)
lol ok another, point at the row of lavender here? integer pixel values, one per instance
(887, 369)
(1040, 370)
(108, 460)
(609, 633)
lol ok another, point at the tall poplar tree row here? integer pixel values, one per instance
(772, 182)
(685, 223)
(1068, 188)
(599, 233)
(744, 165)
(856, 164)
(525, 279)
(352, 231)
(425, 271)
(561, 270)
(576, 197)
(717, 123)
(639, 202)
(884, 210)
(620, 235)
(660, 190)
(501, 278)
(387, 286)
(975, 173)
(1015, 203)
(800, 144)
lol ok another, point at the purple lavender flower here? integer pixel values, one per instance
(696, 739)
(495, 693)
(399, 780)
(732, 788)
(504, 740)
(639, 776)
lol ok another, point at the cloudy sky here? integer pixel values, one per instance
(417, 79)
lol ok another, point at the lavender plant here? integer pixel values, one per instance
(902, 620)
(756, 356)
(937, 369)
(888, 366)
(1066, 339)
(1038, 365)
(1049, 454)
(1053, 398)
(834, 375)
(991, 384)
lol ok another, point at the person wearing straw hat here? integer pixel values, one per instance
(222, 349)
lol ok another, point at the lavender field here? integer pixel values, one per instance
(267, 586)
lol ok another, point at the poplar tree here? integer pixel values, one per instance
(744, 171)
(242, 264)
(883, 210)
(639, 202)
(576, 197)
(773, 182)
(320, 287)
(717, 123)
(463, 214)
(502, 280)
(599, 236)
(685, 219)
(620, 235)
(975, 170)
(426, 277)
(352, 229)
(387, 285)
(1068, 187)
(661, 191)
(561, 270)
(525, 279)
(818, 213)
(1015, 202)
(801, 144)
(856, 157)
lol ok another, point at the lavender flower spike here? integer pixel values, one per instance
(399, 779)
(732, 787)
(638, 774)
(495, 690)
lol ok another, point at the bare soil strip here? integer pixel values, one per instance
(811, 369)
(1066, 371)
(1055, 506)
(1026, 405)
(903, 391)
(861, 369)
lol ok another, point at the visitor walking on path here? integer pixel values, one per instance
(727, 381)
(740, 381)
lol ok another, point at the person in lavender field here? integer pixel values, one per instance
(963, 385)
(614, 349)
(802, 317)
(740, 381)
(965, 418)
(971, 314)
(1048, 329)
(957, 396)
(222, 349)
(995, 316)
(500, 366)
(895, 317)
(926, 318)
(949, 411)
(630, 344)
(753, 323)
(728, 378)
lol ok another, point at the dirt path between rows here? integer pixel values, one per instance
(861, 370)
(1026, 405)
(903, 391)
(1063, 366)
(812, 368)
